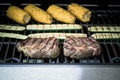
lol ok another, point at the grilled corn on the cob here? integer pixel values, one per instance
(38, 14)
(61, 14)
(82, 13)
(18, 15)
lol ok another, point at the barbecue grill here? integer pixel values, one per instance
(107, 14)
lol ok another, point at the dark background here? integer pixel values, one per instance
(102, 2)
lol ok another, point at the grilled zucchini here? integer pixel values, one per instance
(10, 27)
(54, 27)
(106, 35)
(104, 29)
(57, 35)
(13, 35)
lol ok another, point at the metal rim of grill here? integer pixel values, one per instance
(110, 48)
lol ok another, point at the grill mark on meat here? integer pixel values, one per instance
(30, 41)
(80, 41)
(47, 40)
(53, 43)
(22, 43)
(36, 42)
(87, 41)
(41, 54)
(73, 39)
(40, 41)
(92, 39)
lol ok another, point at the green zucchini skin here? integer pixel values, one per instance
(57, 35)
(106, 35)
(13, 35)
(104, 29)
(53, 27)
(12, 28)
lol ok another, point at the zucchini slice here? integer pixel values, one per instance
(106, 35)
(57, 35)
(13, 35)
(10, 27)
(104, 29)
(54, 27)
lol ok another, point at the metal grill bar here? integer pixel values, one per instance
(99, 17)
(114, 51)
(102, 58)
(6, 52)
(118, 50)
(13, 53)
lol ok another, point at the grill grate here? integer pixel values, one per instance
(110, 48)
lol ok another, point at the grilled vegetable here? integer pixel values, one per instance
(38, 14)
(104, 29)
(57, 35)
(18, 15)
(13, 35)
(10, 27)
(82, 13)
(106, 35)
(61, 14)
(54, 27)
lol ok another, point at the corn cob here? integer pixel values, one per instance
(106, 35)
(18, 15)
(13, 35)
(54, 27)
(82, 13)
(61, 14)
(104, 29)
(57, 35)
(38, 14)
(10, 27)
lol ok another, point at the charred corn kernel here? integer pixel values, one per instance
(61, 14)
(38, 14)
(18, 15)
(82, 13)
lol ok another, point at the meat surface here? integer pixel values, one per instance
(81, 47)
(39, 47)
